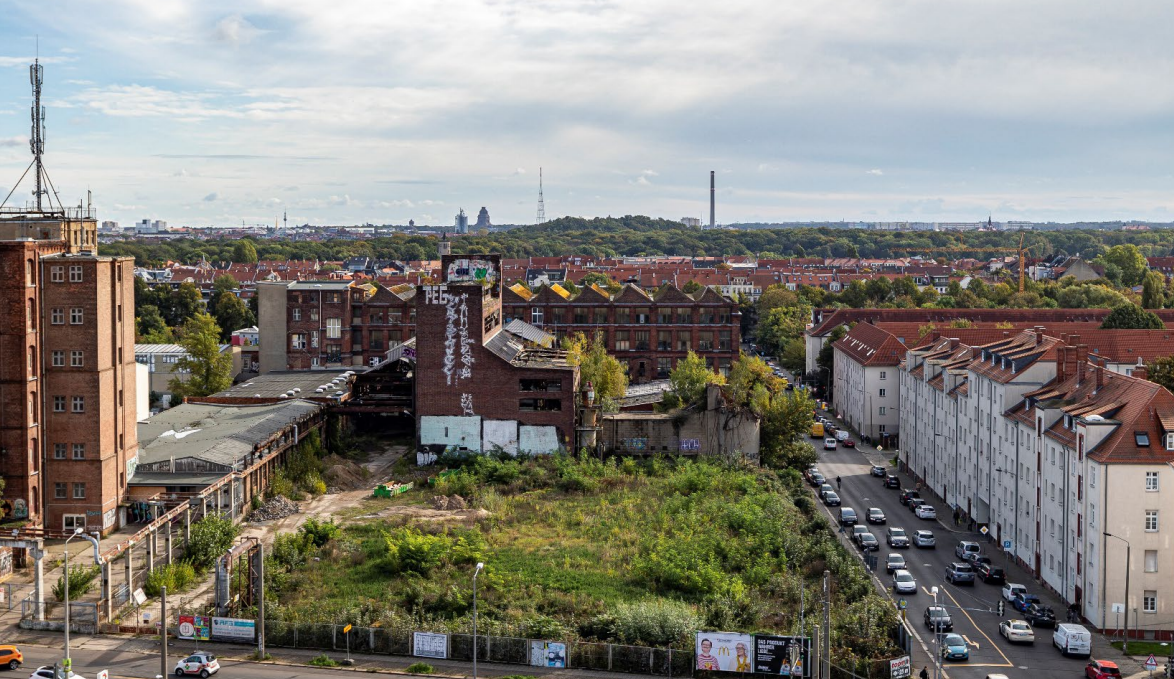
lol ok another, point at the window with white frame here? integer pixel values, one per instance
(297, 340)
(536, 316)
(79, 491)
(1149, 601)
(883, 410)
(58, 451)
(79, 451)
(1151, 561)
(1151, 481)
(79, 404)
(75, 274)
(333, 328)
(76, 316)
(58, 404)
(883, 375)
(1170, 441)
(297, 314)
(57, 274)
(1151, 520)
(58, 359)
(76, 359)
(57, 316)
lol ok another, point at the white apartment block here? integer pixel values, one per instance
(866, 384)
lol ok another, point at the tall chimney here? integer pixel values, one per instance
(1141, 372)
(1061, 361)
(711, 198)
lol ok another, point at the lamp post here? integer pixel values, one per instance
(480, 565)
(937, 635)
(76, 532)
(1125, 641)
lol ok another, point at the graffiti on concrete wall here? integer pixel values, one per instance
(5, 561)
(690, 444)
(636, 443)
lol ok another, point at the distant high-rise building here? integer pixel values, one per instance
(691, 221)
(483, 219)
(462, 222)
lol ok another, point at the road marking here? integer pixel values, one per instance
(967, 640)
(984, 634)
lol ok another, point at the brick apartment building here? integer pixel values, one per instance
(67, 372)
(479, 385)
(330, 324)
(649, 333)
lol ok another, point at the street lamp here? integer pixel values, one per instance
(475, 572)
(76, 532)
(937, 635)
(1125, 641)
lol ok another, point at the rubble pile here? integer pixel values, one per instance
(277, 508)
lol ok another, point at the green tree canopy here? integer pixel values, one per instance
(1153, 295)
(150, 326)
(605, 373)
(1161, 371)
(783, 425)
(689, 380)
(752, 383)
(207, 368)
(232, 314)
(1128, 258)
(1131, 316)
(244, 252)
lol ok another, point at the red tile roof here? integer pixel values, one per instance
(868, 345)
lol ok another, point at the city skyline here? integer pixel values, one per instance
(213, 113)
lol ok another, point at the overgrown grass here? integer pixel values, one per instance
(642, 553)
(421, 668)
(323, 660)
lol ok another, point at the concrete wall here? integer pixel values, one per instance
(712, 432)
(451, 431)
(538, 440)
(142, 392)
(502, 433)
(271, 324)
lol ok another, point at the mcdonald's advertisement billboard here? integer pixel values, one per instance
(725, 652)
(761, 654)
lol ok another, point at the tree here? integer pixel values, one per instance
(783, 424)
(1152, 290)
(212, 536)
(1131, 316)
(752, 383)
(794, 357)
(606, 374)
(691, 287)
(244, 252)
(182, 304)
(781, 325)
(207, 368)
(232, 314)
(689, 380)
(604, 281)
(1128, 258)
(776, 297)
(1161, 371)
(222, 283)
(150, 326)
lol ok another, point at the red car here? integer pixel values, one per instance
(848, 443)
(1102, 669)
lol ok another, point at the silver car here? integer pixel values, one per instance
(924, 538)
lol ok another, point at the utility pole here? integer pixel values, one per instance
(261, 602)
(827, 624)
(163, 630)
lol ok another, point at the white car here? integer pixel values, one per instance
(1017, 631)
(903, 582)
(926, 512)
(842, 435)
(46, 672)
(1012, 590)
(829, 444)
(203, 664)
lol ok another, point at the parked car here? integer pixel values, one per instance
(848, 443)
(991, 575)
(1017, 631)
(847, 516)
(842, 435)
(1012, 590)
(954, 647)
(857, 531)
(824, 489)
(907, 495)
(200, 663)
(924, 539)
(877, 470)
(896, 537)
(1072, 640)
(960, 573)
(926, 512)
(816, 480)
(46, 672)
(892, 481)
(829, 444)
(1038, 615)
(977, 561)
(914, 503)
(936, 618)
(966, 548)
(903, 582)
(831, 499)
(894, 562)
(12, 658)
(1101, 669)
(875, 515)
(1022, 601)
(869, 543)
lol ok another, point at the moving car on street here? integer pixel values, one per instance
(1017, 631)
(907, 495)
(892, 481)
(896, 537)
(878, 471)
(937, 619)
(894, 563)
(46, 672)
(954, 647)
(924, 539)
(991, 575)
(903, 582)
(198, 663)
(1101, 669)
(869, 543)
(842, 435)
(857, 531)
(848, 443)
(1072, 640)
(829, 444)
(831, 499)
(875, 515)
(966, 549)
(926, 512)
(848, 516)
(960, 573)
(12, 658)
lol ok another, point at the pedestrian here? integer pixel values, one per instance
(924, 672)
(957, 516)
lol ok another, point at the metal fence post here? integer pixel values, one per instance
(609, 657)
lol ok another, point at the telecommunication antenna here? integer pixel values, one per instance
(285, 218)
(37, 138)
(541, 204)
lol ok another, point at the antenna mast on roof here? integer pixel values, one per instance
(541, 203)
(37, 137)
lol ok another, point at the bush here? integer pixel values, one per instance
(656, 622)
(410, 551)
(323, 660)
(318, 533)
(176, 577)
(281, 485)
(212, 536)
(81, 581)
(421, 668)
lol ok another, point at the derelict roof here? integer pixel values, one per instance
(220, 434)
(274, 384)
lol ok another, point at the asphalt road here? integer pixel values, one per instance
(972, 608)
(88, 663)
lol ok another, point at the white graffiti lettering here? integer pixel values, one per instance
(467, 404)
(450, 339)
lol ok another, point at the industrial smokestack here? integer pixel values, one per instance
(711, 195)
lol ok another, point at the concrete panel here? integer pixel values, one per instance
(502, 433)
(537, 440)
(451, 431)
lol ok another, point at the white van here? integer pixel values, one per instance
(1072, 640)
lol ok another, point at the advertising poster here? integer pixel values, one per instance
(782, 656)
(548, 654)
(430, 645)
(196, 627)
(234, 629)
(724, 652)
(900, 668)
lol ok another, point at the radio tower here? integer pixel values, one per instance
(541, 204)
(37, 137)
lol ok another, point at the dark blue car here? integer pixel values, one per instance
(1022, 601)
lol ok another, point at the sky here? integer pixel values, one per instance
(352, 111)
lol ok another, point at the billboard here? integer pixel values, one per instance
(548, 654)
(724, 652)
(430, 645)
(900, 668)
(783, 656)
(234, 629)
(197, 627)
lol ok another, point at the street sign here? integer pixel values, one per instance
(346, 630)
(1151, 663)
(983, 530)
(104, 674)
(1117, 608)
(1006, 545)
(902, 604)
(900, 668)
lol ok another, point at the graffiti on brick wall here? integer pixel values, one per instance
(637, 443)
(690, 444)
(435, 294)
(457, 340)
(5, 561)
(470, 270)
(467, 404)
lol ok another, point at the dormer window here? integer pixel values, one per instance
(1170, 441)
(1069, 423)
(1142, 439)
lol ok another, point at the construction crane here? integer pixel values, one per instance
(1019, 251)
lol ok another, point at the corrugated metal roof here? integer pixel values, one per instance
(529, 333)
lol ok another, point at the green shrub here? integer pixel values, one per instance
(280, 484)
(410, 551)
(176, 577)
(318, 533)
(323, 660)
(81, 581)
(421, 668)
(212, 536)
(655, 622)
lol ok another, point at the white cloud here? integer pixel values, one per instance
(236, 30)
(12, 142)
(874, 171)
(27, 61)
(520, 170)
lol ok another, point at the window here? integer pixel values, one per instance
(684, 316)
(664, 315)
(883, 375)
(58, 404)
(1151, 481)
(296, 314)
(313, 339)
(540, 385)
(664, 340)
(79, 491)
(79, 404)
(684, 340)
(641, 339)
(57, 316)
(664, 366)
(57, 274)
(59, 491)
(642, 315)
(75, 274)
(1169, 441)
(1149, 601)
(540, 404)
(705, 340)
(881, 428)
(536, 316)
(1151, 561)
(623, 315)
(1151, 520)
(882, 393)
(58, 359)
(313, 314)
(58, 451)
(333, 353)
(1142, 438)
(333, 328)
(600, 317)
(75, 316)
(76, 359)
(883, 410)
(622, 343)
(297, 340)
(79, 451)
